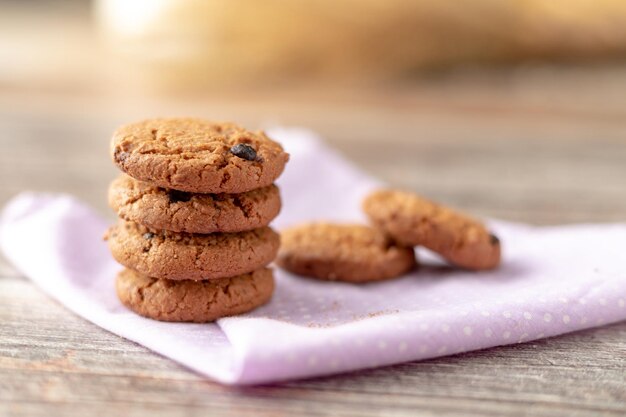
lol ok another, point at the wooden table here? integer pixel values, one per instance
(545, 145)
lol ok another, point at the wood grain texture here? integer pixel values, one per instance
(539, 147)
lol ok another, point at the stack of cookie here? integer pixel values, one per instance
(400, 221)
(194, 202)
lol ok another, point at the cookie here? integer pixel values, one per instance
(194, 301)
(179, 211)
(197, 156)
(352, 253)
(412, 220)
(173, 255)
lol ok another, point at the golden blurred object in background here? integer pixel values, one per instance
(195, 43)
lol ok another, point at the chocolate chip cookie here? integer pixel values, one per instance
(185, 256)
(412, 220)
(180, 211)
(194, 301)
(352, 253)
(197, 156)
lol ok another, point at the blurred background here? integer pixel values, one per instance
(514, 109)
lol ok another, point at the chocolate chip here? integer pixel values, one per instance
(120, 155)
(244, 151)
(175, 196)
(494, 239)
(148, 235)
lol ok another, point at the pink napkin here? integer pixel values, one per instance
(553, 280)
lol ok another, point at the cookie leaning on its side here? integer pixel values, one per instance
(412, 220)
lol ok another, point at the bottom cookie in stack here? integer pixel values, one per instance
(194, 301)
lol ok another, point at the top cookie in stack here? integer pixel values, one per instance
(194, 205)
(197, 156)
